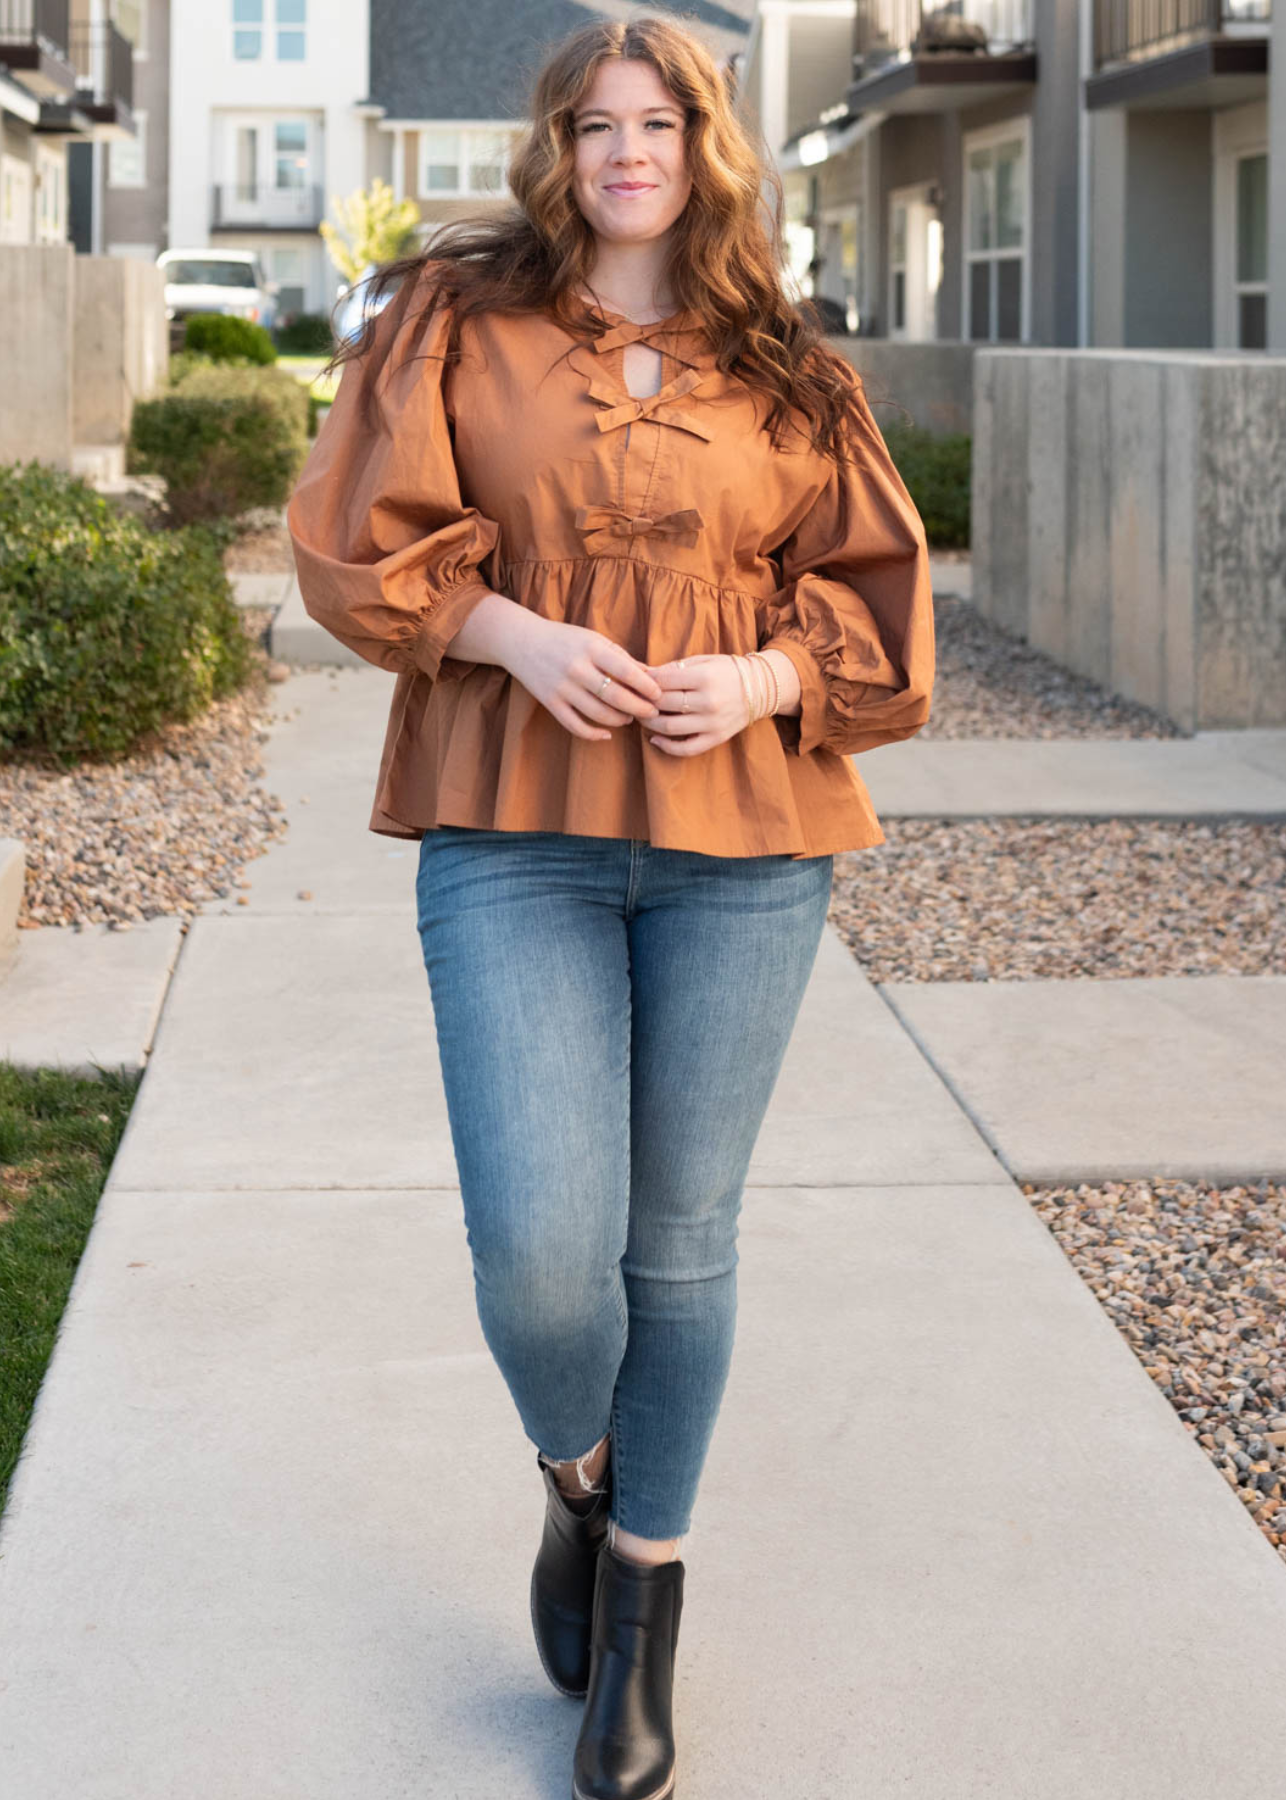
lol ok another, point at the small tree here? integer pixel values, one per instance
(373, 228)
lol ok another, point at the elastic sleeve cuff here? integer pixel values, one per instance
(812, 691)
(443, 619)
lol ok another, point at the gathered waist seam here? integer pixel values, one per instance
(549, 562)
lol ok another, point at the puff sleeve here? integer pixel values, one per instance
(386, 550)
(855, 611)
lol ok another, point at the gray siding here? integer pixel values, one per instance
(1168, 227)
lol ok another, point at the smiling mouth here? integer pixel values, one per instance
(621, 187)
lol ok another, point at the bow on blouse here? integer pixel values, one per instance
(659, 406)
(604, 524)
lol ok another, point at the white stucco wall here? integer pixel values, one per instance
(210, 88)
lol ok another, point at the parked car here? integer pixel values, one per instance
(216, 281)
(355, 306)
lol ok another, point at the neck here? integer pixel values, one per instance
(631, 279)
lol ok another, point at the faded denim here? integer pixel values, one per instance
(611, 1019)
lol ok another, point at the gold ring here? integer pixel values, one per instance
(606, 684)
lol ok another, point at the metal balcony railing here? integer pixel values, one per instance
(888, 31)
(256, 204)
(103, 59)
(1133, 30)
(43, 22)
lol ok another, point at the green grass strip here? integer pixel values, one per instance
(58, 1135)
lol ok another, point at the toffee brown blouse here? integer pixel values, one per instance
(669, 523)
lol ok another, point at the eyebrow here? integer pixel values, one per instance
(588, 111)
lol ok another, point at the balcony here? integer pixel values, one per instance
(34, 37)
(1193, 53)
(104, 62)
(242, 206)
(913, 57)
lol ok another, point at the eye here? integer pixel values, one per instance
(595, 124)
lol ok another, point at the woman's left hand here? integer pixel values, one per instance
(702, 703)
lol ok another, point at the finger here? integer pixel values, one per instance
(571, 720)
(612, 660)
(673, 724)
(673, 698)
(693, 746)
(685, 662)
(616, 694)
(675, 675)
(600, 710)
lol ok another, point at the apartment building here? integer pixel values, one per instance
(1177, 95)
(276, 107)
(1053, 172)
(122, 191)
(451, 81)
(268, 120)
(66, 91)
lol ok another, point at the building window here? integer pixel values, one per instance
(15, 201)
(247, 30)
(996, 235)
(287, 268)
(897, 271)
(130, 17)
(51, 196)
(291, 20)
(291, 152)
(1252, 251)
(127, 157)
(464, 160)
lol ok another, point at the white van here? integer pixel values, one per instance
(216, 281)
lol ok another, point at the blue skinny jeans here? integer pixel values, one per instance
(611, 1018)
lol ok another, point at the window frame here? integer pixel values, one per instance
(464, 130)
(18, 174)
(987, 138)
(49, 224)
(140, 137)
(140, 42)
(1242, 290)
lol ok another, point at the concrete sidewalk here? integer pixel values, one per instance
(944, 1507)
(1216, 774)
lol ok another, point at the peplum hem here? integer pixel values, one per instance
(476, 748)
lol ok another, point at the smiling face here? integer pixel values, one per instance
(630, 178)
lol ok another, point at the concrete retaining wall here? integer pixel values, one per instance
(1128, 520)
(933, 382)
(37, 286)
(13, 869)
(84, 338)
(120, 344)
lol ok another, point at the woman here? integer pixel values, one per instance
(622, 524)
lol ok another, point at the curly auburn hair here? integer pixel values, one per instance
(725, 257)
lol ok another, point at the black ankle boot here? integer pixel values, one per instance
(562, 1583)
(625, 1750)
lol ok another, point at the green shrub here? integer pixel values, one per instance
(224, 439)
(307, 335)
(227, 338)
(936, 472)
(107, 630)
(182, 363)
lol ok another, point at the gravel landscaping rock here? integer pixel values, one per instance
(263, 549)
(1008, 900)
(991, 685)
(162, 831)
(1194, 1276)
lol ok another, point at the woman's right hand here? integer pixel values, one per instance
(563, 666)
